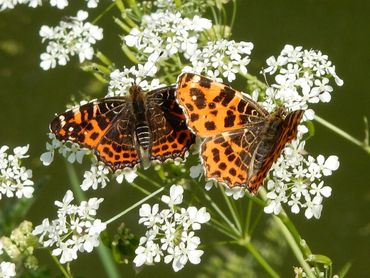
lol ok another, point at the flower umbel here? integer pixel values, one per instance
(170, 232)
(75, 229)
(169, 32)
(221, 59)
(73, 37)
(15, 180)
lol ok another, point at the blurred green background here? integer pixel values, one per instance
(29, 98)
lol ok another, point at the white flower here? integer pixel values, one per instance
(128, 174)
(236, 192)
(175, 197)
(72, 151)
(320, 190)
(313, 208)
(196, 217)
(97, 175)
(170, 234)
(60, 4)
(73, 37)
(196, 171)
(149, 216)
(7, 269)
(74, 230)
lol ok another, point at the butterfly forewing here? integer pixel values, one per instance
(211, 107)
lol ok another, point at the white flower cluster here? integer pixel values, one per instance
(98, 175)
(170, 232)
(167, 33)
(60, 4)
(7, 269)
(221, 58)
(296, 180)
(121, 81)
(75, 229)
(14, 178)
(68, 39)
(302, 77)
(72, 151)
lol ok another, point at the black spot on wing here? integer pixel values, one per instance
(205, 82)
(210, 125)
(198, 98)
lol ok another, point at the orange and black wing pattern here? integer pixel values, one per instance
(106, 126)
(212, 107)
(170, 135)
(242, 140)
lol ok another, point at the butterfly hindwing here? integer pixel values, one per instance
(171, 137)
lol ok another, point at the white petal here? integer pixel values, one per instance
(332, 163)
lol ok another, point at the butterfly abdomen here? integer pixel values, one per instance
(143, 134)
(141, 122)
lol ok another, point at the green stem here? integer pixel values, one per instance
(223, 216)
(141, 175)
(60, 266)
(344, 134)
(105, 256)
(75, 183)
(222, 230)
(294, 246)
(232, 210)
(134, 185)
(103, 13)
(292, 237)
(248, 217)
(134, 206)
(233, 16)
(261, 260)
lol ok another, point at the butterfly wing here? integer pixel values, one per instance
(170, 135)
(212, 108)
(239, 158)
(228, 157)
(288, 133)
(106, 126)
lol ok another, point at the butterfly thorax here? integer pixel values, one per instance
(141, 122)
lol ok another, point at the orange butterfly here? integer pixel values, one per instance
(242, 140)
(124, 131)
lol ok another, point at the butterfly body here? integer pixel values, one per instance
(241, 139)
(128, 130)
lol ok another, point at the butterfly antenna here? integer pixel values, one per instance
(152, 65)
